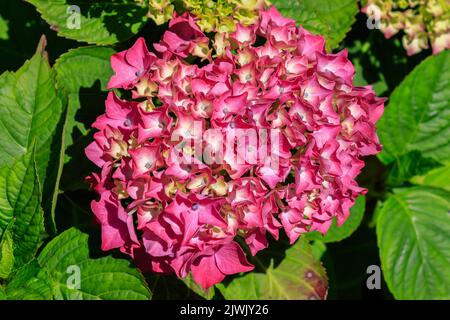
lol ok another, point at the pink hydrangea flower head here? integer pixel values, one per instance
(254, 132)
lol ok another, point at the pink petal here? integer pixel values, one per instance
(230, 259)
(205, 272)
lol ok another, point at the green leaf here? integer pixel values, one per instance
(413, 230)
(67, 256)
(4, 29)
(84, 74)
(418, 114)
(20, 199)
(82, 68)
(298, 276)
(6, 255)
(409, 165)
(318, 249)
(436, 178)
(100, 22)
(332, 19)
(75, 70)
(30, 283)
(336, 233)
(31, 111)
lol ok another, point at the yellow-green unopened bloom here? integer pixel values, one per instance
(159, 11)
(212, 15)
(422, 21)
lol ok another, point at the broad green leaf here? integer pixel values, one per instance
(409, 165)
(20, 210)
(331, 19)
(67, 256)
(336, 233)
(30, 283)
(3, 29)
(318, 249)
(413, 228)
(2, 294)
(31, 111)
(298, 276)
(95, 21)
(418, 114)
(75, 70)
(439, 178)
(82, 68)
(84, 74)
(6, 255)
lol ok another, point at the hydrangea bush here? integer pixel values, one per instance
(265, 132)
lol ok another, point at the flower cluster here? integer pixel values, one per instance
(295, 128)
(159, 11)
(422, 21)
(213, 15)
(223, 15)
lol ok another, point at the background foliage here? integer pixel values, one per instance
(50, 96)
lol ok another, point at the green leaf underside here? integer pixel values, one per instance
(336, 233)
(100, 22)
(413, 228)
(20, 198)
(418, 114)
(30, 111)
(331, 19)
(299, 276)
(103, 278)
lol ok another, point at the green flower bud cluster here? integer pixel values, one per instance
(212, 15)
(222, 15)
(159, 11)
(422, 22)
